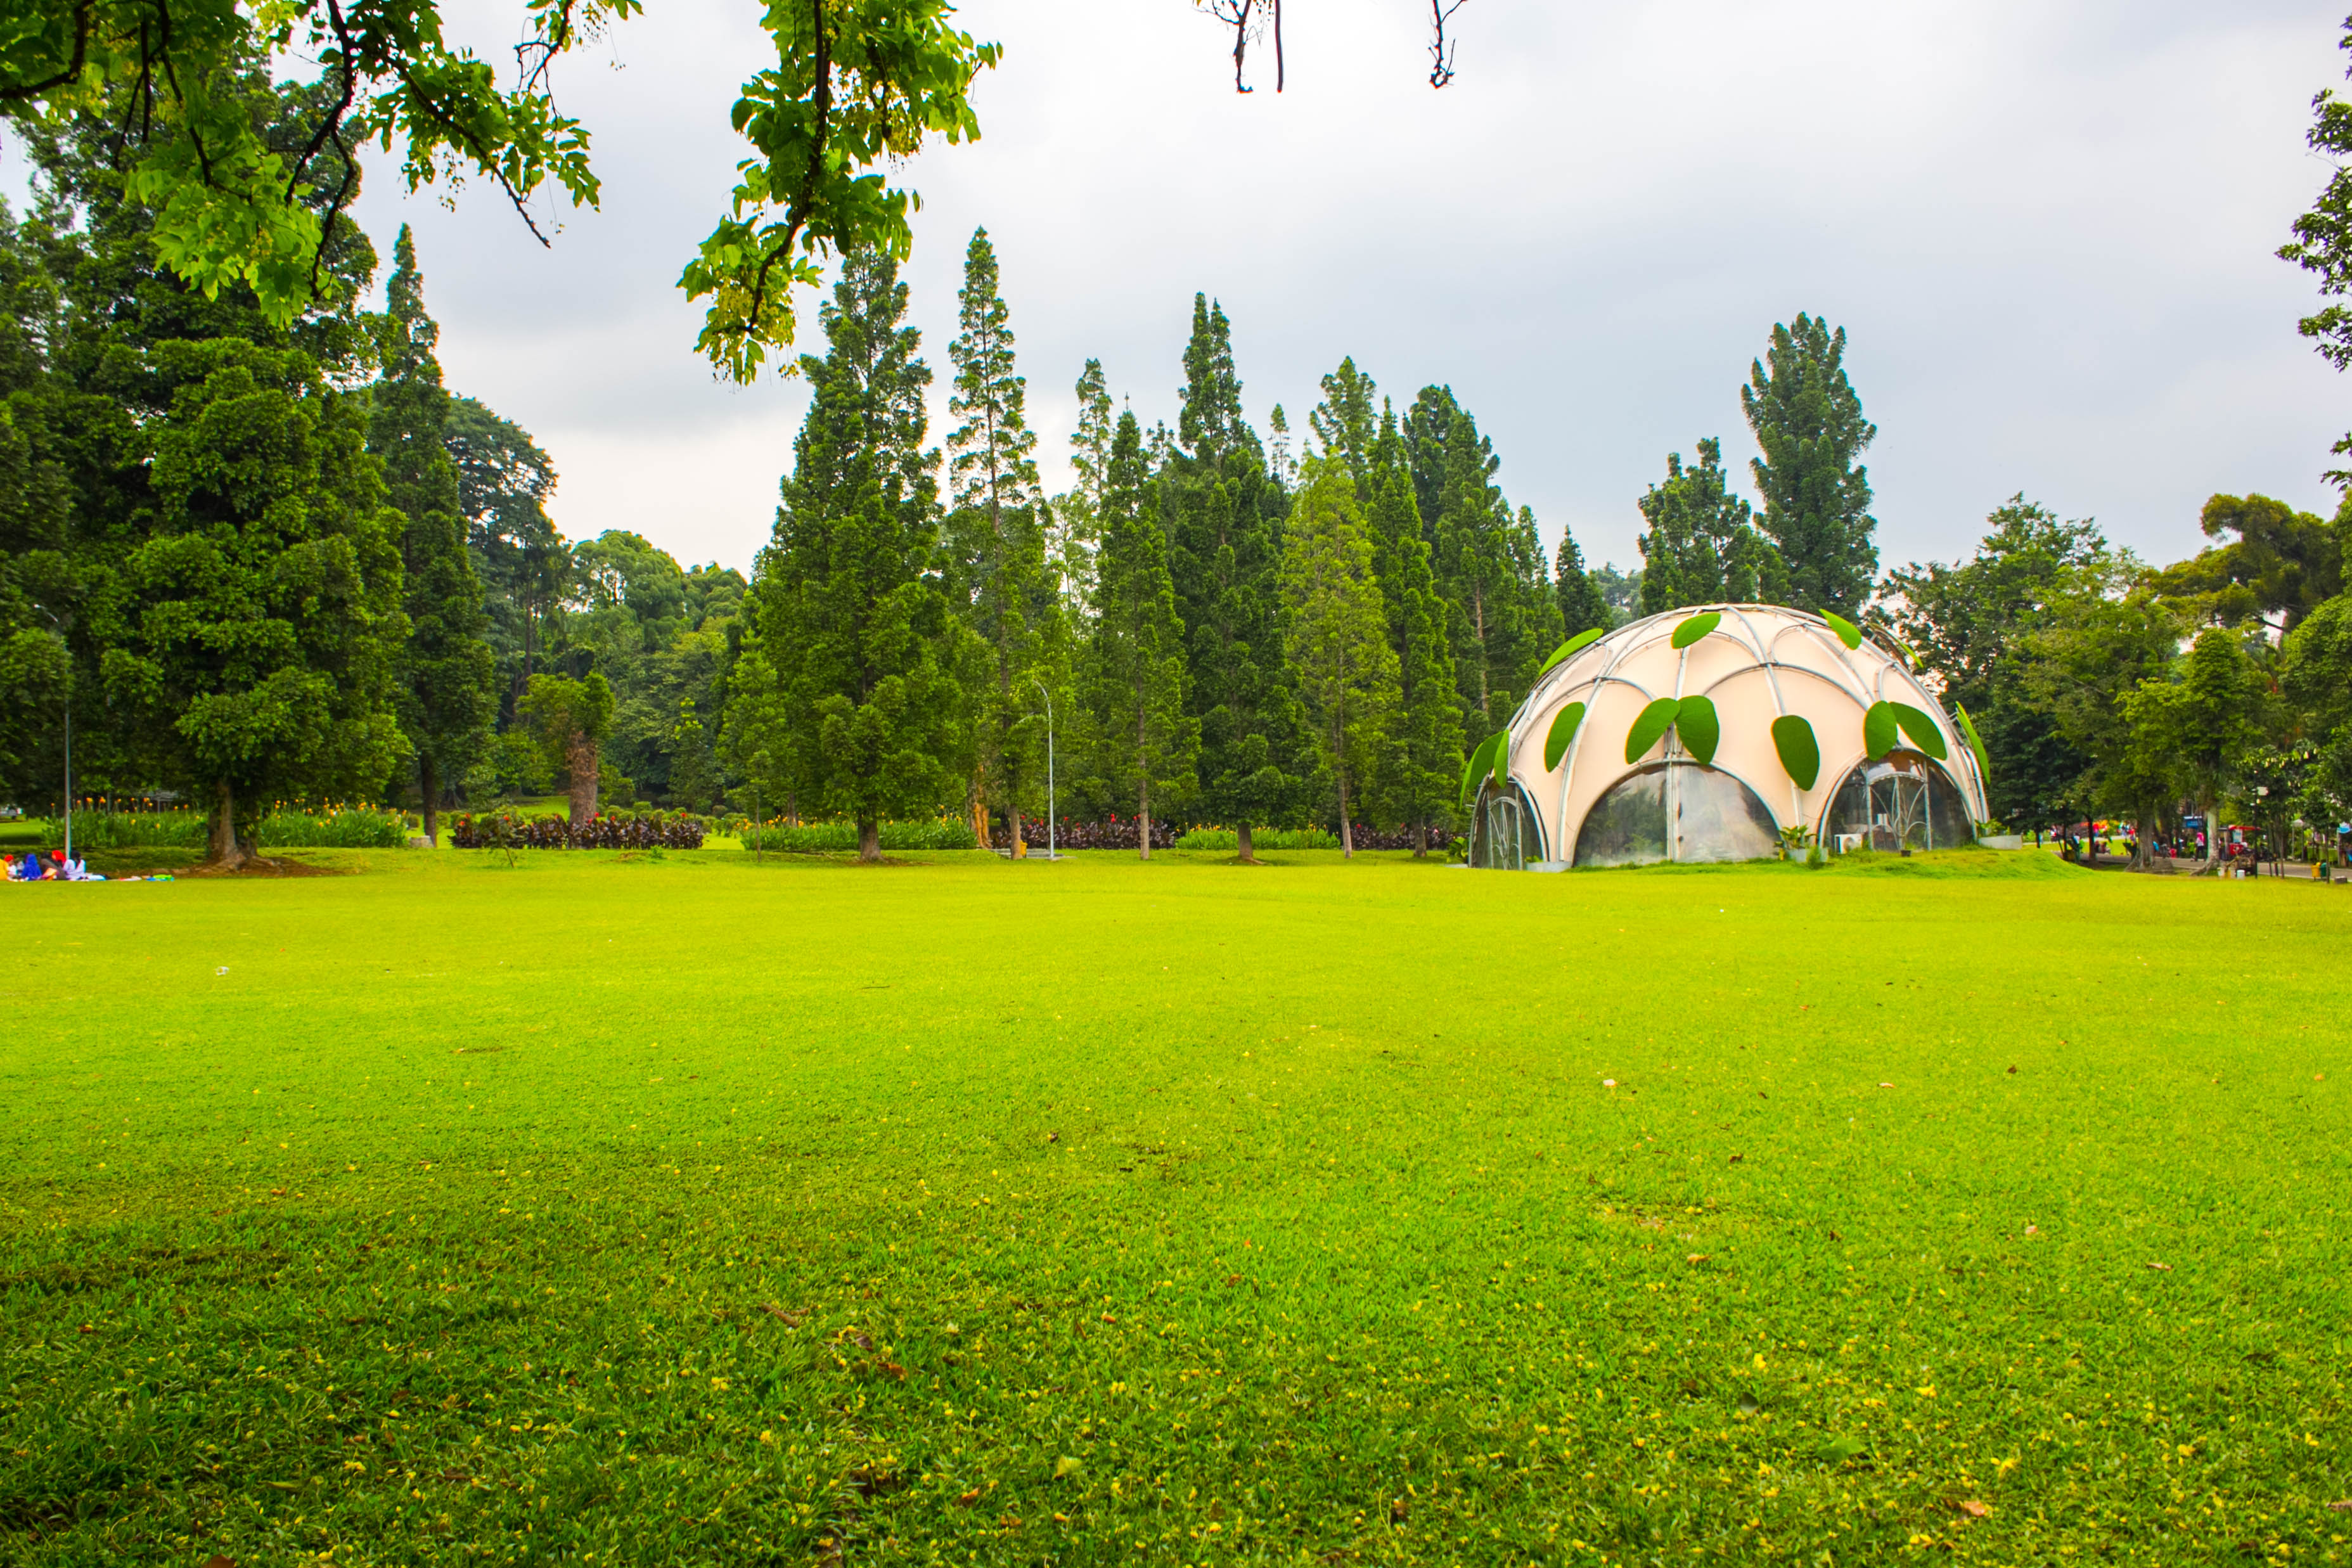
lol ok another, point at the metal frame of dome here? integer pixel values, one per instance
(1797, 665)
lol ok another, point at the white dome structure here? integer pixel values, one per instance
(1700, 734)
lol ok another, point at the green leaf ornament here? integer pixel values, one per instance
(1847, 632)
(1923, 731)
(1878, 736)
(1976, 745)
(1502, 758)
(1700, 727)
(1800, 752)
(1696, 627)
(1573, 646)
(1481, 758)
(1564, 730)
(1649, 727)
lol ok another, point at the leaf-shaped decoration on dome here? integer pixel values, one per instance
(1878, 736)
(1700, 727)
(1975, 744)
(1573, 646)
(1923, 732)
(1800, 752)
(1502, 758)
(1564, 730)
(1696, 627)
(1481, 758)
(1847, 632)
(1649, 727)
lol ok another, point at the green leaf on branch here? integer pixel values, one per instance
(1878, 736)
(1696, 627)
(1847, 632)
(1564, 730)
(1573, 646)
(1923, 732)
(1800, 751)
(1650, 727)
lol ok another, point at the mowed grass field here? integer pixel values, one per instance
(677, 1209)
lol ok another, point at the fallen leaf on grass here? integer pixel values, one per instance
(1398, 1510)
(1695, 1258)
(968, 1498)
(1735, 1159)
(2012, 1069)
(1065, 1467)
(217, 1561)
(2166, 1267)
(1970, 1507)
(789, 1320)
(1232, 1278)
(2345, 1507)
(456, 1476)
(1837, 1450)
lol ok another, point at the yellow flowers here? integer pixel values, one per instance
(1926, 1392)
(718, 1385)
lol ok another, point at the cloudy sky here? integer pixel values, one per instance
(2047, 229)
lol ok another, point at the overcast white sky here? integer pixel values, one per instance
(2047, 229)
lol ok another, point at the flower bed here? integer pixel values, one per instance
(506, 831)
(1309, 838)
(1115, 834)
(286, 828)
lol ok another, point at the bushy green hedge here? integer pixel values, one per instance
(1260, 838)
(343, 827)
(815, 837)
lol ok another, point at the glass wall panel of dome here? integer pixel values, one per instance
(1626, 827)
(1716, 817)
(1903, 801)
(1503, 835)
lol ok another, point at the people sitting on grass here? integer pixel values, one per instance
(31, 867)
(28, 869)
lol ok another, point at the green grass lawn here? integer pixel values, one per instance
(634, 1209)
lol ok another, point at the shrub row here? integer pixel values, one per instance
(1310, 839)
(333, 828)
(819, 838)
(503, 830)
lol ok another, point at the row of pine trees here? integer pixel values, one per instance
(1203, 626)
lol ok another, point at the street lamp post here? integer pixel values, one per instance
(1050, 851)
(67, 648)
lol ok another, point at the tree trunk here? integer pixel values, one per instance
(428, 787)
(1143, 820)
(869, 840)
(1420, 841)
(1243, 851)
(582, 756)
(1347, 829)
(228, 854)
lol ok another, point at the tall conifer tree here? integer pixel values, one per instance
(1077, 525)
(1338, 631)
(447, 693)
(1702, 546)
(1808, 420)
(1421, 764)
(850, 606)
(1582, 606)
(1135, 687)
(1344, 422)
(1226, 519)
(998, 528)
